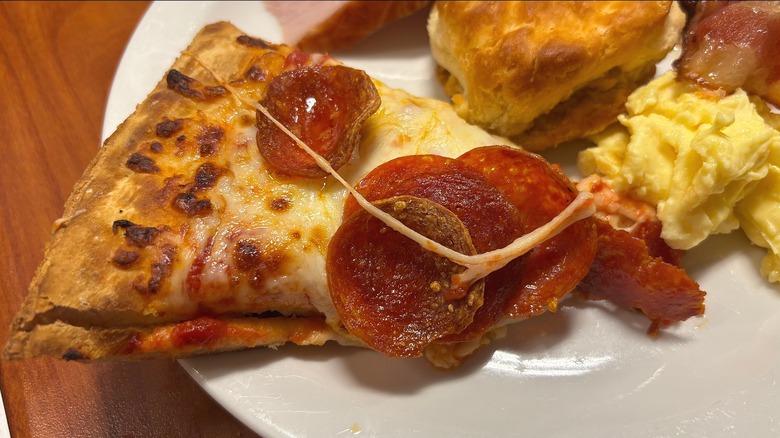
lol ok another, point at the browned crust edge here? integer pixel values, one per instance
(56, 314)
(70, 342)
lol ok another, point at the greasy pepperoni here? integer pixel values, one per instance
(324, 107)
(389, 291)
(492, 222)
(540, 192)
(382, 182)
(625, 273)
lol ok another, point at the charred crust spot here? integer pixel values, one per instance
(167, 128)
(246, 255)
(124, 259)
(206, 176)
(171, 186)
(280, 204)
(187, 202)
(121, 223)
(73, 354)
(181, 139)
(209, 138)
(139, 236)
(256, 74)
(140, 163)
(136, 235)
(257, 43)
(162, 269)
(156, 147)
(192, 88)
(190, 205)
(181, 83)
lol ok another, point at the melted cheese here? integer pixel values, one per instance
(403, 125)
(432, 124)
(477, 266)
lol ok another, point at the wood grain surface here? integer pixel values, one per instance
(57, 60)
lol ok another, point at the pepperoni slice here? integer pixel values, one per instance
(626, 273)
(325, 107)
(389, 291)
(383, 181)
(540, 192)
(492, 222)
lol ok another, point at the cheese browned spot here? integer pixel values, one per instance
(192, 88)
(124, 258)
(280, 204)
(137, 235)
(255, 260)
(246, 255)
(189, 204)
(255, 74)
(206, 176)
(167, 128)
(208, 139)
(161, 269)
(141, 163)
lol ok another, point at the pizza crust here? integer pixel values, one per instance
(85, 297)
(76, 275)
(76, 282)
(70, 342)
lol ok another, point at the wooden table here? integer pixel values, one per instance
(58, 60)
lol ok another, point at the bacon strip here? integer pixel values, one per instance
(728, 45)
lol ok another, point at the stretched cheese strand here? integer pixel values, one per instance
(477, 266)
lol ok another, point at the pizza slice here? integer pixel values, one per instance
(261, 196)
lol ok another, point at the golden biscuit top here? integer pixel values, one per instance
(516, 60)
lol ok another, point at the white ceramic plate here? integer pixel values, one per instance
(589, 370)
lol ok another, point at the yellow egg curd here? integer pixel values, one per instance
(710, 163)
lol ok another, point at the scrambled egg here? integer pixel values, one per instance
(711, 164)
